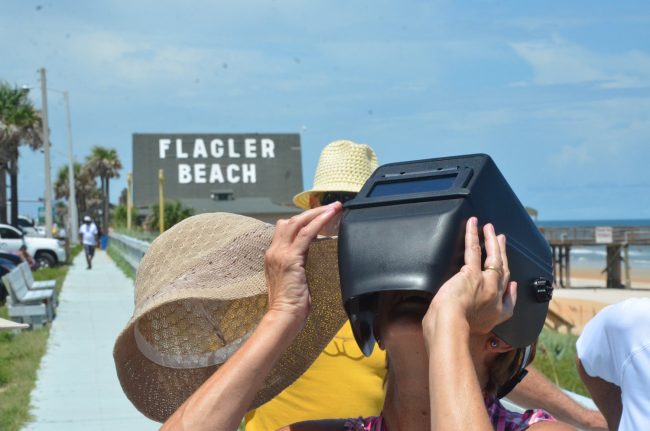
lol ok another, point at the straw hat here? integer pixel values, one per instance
(344, 166)
(200, 291)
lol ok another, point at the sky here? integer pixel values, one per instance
(558, 93)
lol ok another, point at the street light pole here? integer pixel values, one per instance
(46, 147)
(129, 200)
(72, 196)
(161, 201)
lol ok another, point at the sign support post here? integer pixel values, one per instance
(161, 200)
(129, 204)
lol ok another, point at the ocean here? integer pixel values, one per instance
(595, 256)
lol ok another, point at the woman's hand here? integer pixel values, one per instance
(286, 257)
(474, 300)
(484, 297)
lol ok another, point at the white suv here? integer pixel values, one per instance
(46, 251)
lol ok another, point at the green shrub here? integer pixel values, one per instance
(556, 359)
(174, 212)
(120, 213)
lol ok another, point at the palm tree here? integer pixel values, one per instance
(105, 164)
(86, 191)
(20, 123)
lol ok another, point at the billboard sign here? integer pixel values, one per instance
(199, 166)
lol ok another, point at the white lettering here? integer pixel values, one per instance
(232, 178)
(163, 146)
(184, 174)
(231, 149)
(216, 148)
(268, 148)
(199, 149)
(216, 176)
(248, 173)
(199, 173)
(250, 149)
(179, 150)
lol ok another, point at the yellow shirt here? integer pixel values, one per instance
(341, 383)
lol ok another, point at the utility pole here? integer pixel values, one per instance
(161, 201)
(72, 195)
(129, 203)
(46, 146)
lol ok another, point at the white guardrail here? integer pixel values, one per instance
(131, 249)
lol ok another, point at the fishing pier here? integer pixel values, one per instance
(616, 240)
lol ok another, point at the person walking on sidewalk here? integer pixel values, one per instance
(88, 235)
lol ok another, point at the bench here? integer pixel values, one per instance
(29, 279)
(35, 315)
(10, 325)
(25, 304)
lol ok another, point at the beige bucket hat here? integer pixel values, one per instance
(343, 166)
(200, 291)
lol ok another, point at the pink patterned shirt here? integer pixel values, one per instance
(502, 419)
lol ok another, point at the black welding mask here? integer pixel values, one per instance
(405, 230)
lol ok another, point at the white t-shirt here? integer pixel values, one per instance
(89, 233)
(615, 346)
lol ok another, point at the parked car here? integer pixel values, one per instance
(28, 226)
(46, 251)
(7, 263)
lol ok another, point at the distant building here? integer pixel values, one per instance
(251, 174)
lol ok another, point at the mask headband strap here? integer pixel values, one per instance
(518, 377)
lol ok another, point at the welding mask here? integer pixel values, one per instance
(405, 231)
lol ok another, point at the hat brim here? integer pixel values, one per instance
(301, 200)
(157, 390)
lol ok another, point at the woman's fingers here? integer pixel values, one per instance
(287, 230)
(493, 261)
(472, 244)
(309, 231)
(504, 259)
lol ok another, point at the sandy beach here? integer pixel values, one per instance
(582, 276)
(573, 307)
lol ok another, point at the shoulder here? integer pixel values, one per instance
(623, 316)
(616, 331)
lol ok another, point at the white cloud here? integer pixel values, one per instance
(572, 154)
(558, 62)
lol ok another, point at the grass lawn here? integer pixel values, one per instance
(119, 261)
(556, 356)
(20, 356)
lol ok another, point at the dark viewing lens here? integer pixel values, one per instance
(330, 197)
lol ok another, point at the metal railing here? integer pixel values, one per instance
(131, 249)
(587, 235)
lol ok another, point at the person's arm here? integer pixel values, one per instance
(536, 391)
(221, 402)
(607, 396)
(474, 300)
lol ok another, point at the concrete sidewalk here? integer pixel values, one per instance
(77, 388)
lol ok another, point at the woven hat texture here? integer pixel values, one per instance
(343, 166)
(200, 291)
